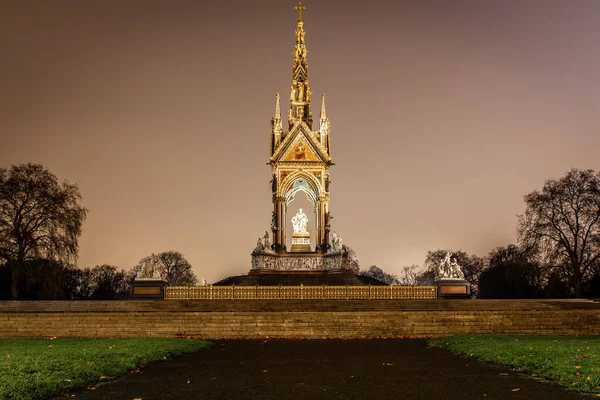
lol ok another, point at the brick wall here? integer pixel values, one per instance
(218, 319)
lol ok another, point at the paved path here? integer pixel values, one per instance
(325, 369)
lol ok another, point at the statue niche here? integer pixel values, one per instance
(300, 236)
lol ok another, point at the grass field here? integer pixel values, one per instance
(571, 361)
(40, 368)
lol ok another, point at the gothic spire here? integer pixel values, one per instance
(300, 92)
(276, 128)
(323, 113)
(324, 126)
(277, 119)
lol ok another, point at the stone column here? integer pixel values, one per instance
(316, 212)
(318, 224)
(279, 231)
(322, 233)
(284, 225)
(325, 243)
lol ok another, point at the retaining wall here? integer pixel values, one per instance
(299, 319)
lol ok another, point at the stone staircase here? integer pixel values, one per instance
(298, 319)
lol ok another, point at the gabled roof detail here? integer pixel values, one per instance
(300, 145)
(300, 151)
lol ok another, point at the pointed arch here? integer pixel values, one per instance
(300, 181)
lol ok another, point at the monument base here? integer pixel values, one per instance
(300, 243)
(305, 261)
(448, 288)
(148, 289)
(262, 277)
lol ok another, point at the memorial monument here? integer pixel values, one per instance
(300, 161)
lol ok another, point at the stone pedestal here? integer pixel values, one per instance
(453, 288)
(300, 243)
(148, 289)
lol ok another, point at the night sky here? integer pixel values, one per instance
(444, 115)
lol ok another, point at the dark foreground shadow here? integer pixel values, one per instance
(325, 369)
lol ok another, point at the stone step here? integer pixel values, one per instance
(292, 305)
(125, 320)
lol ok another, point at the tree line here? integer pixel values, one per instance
(508, 272)
(43, 279)
(557, 253)
(41, 220)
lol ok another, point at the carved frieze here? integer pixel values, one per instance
(331, 261)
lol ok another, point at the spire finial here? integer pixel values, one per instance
(324, 126)
(276, 122)
(300, 7)
(277, 109)
(300, 91)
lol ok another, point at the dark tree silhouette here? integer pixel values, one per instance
(593, 289)
(512, 273)
(78, 283)
(108, 283)
(40, 279)
(39, 218)
(562, 222)
(5, 282)
(555, 285)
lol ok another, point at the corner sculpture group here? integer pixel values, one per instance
(149, 269)
(449, 268)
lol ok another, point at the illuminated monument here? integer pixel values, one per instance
(300, 157)
(300, 161)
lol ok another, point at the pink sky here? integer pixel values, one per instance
(443, 117)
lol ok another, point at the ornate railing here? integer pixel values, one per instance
(299, 292)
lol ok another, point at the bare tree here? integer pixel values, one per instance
(379, 274)
(410, 275)
(39, 218)
(562, 222)
(173, 267)
(353, 262)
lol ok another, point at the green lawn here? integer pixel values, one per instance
(571, 361)
(40, 368)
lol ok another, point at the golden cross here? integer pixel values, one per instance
(300, 8)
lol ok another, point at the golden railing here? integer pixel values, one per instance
(299, 292)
